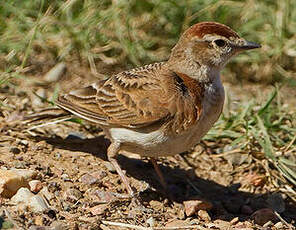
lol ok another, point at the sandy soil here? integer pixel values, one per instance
(71, 162)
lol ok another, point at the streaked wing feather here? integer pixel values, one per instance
(129, 99)
(138, 98)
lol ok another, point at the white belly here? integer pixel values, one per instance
(158, 143)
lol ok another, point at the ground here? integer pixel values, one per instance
(86, 193)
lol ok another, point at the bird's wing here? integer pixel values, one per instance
(137, 98)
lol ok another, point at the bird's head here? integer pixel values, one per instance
(211, 44)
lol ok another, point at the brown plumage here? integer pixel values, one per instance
(163, 108)
(132, 99)
(204, 28)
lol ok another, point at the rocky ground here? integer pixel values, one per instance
(58, 176)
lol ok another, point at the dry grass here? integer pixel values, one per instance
(136, 32)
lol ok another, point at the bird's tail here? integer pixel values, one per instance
(46, 117)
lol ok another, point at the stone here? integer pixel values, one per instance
(55, 73)
(150, 221)
(235, 220)
(104, 196)
(193, 206)
(39, 220)
(156, 205)
(98, 209)
(72, 195)
(15, 150)
(256, 180)
(109, 167)
(10, 182)
(37, 204)
(90, 179)
(279, 225)
(24, 198)
(204, 215)
(65, 177)
(35, 186)
(264, 215)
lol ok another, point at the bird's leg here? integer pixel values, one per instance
(111, 153)
(159, 173)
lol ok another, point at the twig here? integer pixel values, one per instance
(290, 144)
(131, 226)
(48, 123)
(284, 221)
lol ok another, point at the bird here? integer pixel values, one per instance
(165, 108)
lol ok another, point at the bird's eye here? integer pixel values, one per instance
(220, 42)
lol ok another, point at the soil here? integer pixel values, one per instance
(71, 162)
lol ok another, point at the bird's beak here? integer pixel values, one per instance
(248, 46)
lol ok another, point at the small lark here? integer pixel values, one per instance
(164, 108)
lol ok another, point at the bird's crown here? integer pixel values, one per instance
(201, 29)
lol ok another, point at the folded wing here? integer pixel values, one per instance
(135, 99)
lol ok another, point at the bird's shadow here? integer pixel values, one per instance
(183, 185)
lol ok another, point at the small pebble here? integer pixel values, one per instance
(279, 225)
(55, 73)
(109, 166)
(264, 215)
(103, 196)
(37, 204)
(72, 195)
(24, 142)
(15, 150)
(65, 177)
(35, 186)
(98, 209)
(204, 215)
(19, 165)
(193, 206)
(150, 221)
(39, 220)
(75, 136)
(234, 221)
(156, 205)
(89, 179)
(24, 198)
(176, 223)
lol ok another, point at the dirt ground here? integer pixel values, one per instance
(86, 192)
